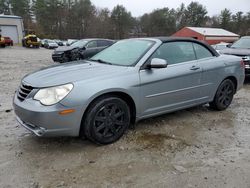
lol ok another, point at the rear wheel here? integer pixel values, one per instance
(106, 120)
(223, 96)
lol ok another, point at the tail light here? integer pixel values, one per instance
(242, 63)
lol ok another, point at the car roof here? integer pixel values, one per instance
(172, 39)
(89, 39)
(168, 39)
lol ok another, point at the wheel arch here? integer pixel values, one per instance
(234, 80)
(120, 94)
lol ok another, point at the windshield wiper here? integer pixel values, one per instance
(101, 61)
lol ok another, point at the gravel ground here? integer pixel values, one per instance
(196, 147)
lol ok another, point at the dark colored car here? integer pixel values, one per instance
(8, 41)
(81, 49)
(241, 48)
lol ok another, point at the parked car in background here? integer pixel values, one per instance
(221, 46)
(241, 48)
(71, 41)
(31, 41)
(131, 80)
(59, 42)
(64, 43)
(8, 41)
(43, 42)
(2, 42)
(50, 44)
(81, 49)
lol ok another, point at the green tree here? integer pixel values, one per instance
(181, 20)
(4, 7)
(195, 15)
(22, 8)
(239, 22)
(122, 21)
(160, 22)
(103, 24)
(225, 19)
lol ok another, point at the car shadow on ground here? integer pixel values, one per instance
(247, 80)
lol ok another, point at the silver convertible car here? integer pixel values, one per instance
(131, 80)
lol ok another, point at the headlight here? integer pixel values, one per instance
(52, 95)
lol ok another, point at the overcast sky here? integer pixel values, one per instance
(139, 7)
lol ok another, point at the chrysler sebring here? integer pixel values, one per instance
(132, 80)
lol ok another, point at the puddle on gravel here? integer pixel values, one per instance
(161, 142)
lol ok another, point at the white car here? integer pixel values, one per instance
(220, 46)
(50, 44)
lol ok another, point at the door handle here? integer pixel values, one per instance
(194, 68)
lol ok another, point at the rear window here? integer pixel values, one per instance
(103, 43)
(201, 51)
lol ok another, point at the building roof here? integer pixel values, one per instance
(213, 31)
(10, 16)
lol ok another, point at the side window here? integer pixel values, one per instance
(201, 51)
(102, 43)
(175, 52)
(92, 44)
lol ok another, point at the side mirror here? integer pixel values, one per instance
(158, 63)
(84, 48)
(229, 45)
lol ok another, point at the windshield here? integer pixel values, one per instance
(124, 53)
(50, 41)
(242, 43)
(80, 43)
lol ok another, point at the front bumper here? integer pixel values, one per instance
(57, 57)
(46, 120)
(39, 131)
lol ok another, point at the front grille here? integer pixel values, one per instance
(24, 91)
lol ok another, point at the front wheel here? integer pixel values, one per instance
(223, 96)
(106, 120)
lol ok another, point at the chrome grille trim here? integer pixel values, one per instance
(23, 91)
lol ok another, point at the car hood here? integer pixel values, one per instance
(72, 72)
(64, 48)
(236, 51)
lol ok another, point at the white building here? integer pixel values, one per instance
(12, 26)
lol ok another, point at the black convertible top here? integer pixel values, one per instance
(171, 39)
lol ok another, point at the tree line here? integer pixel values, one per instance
(81, 19)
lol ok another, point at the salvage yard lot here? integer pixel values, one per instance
(196, 147)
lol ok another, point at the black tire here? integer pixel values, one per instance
(224, 95)
(106, 120)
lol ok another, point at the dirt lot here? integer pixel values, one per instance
(189, 148)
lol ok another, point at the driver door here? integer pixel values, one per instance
(174, 87)
(91, 49)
